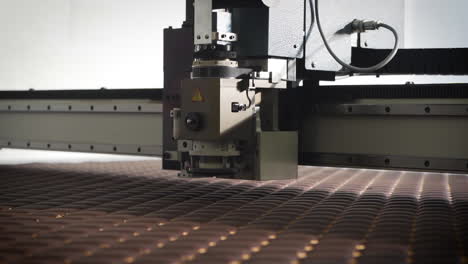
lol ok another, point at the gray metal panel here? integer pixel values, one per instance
(286, 29)
(251, 26)
(442, 137)
(84, 130)
(390, 12)
(277, 31)
(277, 155)
(395, 109)
(70, 106)
(318, 58)
(203, 21)
(385, 161)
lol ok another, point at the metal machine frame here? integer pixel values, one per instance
(421, 127)
(101, 121)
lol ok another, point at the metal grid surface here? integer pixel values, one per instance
(136, 213)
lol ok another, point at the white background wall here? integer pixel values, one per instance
(88, 44)
(436, 23)
(65, 44)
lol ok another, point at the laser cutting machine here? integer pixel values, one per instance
(251, 93)
(244, 96)
(248, 102)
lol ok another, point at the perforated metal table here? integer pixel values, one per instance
(136, 213)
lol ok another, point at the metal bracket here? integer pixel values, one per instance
(203, 22)
(229, 37)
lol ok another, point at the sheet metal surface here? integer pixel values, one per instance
(136, 213)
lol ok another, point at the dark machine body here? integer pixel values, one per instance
(279, 62)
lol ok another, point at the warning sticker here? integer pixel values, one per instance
(197, 95)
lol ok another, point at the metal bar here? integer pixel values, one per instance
(416, 61)
(74, 107)
(394, 109)
(142, 150)
(203, 24)
(351, 92)
(331, 139)
(154, 94)
(384, 161)
(100, 126)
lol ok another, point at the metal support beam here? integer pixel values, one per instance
(88, 124)
(427, 134)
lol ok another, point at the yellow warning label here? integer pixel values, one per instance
(197, 96)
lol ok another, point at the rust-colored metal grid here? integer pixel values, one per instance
(136, 213)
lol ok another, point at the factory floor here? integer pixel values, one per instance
(133, 212)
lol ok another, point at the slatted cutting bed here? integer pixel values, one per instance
(137, 213)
